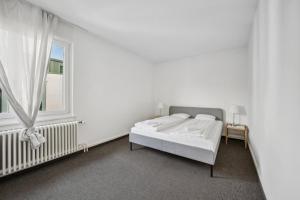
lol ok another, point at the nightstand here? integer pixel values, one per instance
(241, 129)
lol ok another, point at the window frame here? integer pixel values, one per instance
(9, 118)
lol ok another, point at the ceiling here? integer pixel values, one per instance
(162, 30)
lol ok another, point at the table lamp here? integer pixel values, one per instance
(160, 106)
(234, 110)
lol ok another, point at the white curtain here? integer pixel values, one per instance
(26, 34)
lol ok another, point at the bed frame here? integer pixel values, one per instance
(194, 153)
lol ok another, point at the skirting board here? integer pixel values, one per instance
(107, 140)
(255, 164)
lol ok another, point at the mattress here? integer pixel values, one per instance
(210, 141)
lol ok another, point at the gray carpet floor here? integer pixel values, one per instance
(112, 172)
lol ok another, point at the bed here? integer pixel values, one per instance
(203, 149)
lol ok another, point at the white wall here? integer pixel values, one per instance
(275, 66)
(112, 87)
(211, 80)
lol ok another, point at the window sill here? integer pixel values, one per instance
(13, 122)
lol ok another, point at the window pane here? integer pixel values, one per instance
(3, 103)
(53, 97)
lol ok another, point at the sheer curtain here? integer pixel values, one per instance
(26, 34)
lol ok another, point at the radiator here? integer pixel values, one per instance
(61, 139)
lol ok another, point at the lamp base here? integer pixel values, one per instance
(233, 121)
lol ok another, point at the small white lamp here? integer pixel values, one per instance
(234, 110)
(160, 106)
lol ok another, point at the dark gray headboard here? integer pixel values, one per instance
(193, 111)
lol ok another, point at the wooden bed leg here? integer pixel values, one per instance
(211, 171)
(130, 146)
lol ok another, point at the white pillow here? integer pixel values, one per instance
(181, 115)
(205, 117)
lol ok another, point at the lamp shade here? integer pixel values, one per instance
(160, 105)
(234, 109)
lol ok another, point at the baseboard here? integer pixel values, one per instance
(255, 164)
(107, 140)
(253, 158)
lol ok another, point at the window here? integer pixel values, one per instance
(53, 98)
(57, 90)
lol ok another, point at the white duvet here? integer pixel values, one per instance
(160, 123)
(195, 127)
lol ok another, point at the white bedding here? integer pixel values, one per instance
(195, 128)
(159, 124)
(197, 133)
